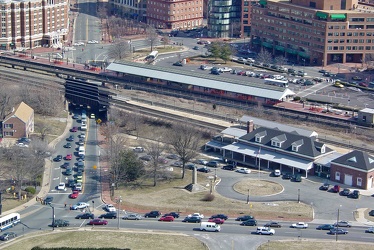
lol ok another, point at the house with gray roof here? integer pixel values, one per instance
(354, 169)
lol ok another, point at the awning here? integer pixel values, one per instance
(303, 54)
(322, 15)
(291, 51)
(278, 47)
(267, 45)
(270, 156)
(263, 2)
(337, 16)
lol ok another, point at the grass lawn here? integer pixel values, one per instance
(312, 245)
(106, 238)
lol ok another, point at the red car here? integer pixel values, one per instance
(216, 220)
(98, 222)
(68, 157)
(74, 129)
(74, 195)
(166, 218)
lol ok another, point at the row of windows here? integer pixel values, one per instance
(350, 41)
(359, 179)
(350, 34)
(350, 47)
(176, 18)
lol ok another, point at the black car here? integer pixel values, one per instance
(67, 145)
(153, 214)
(65, 165)
(8, 236)
(204, 170)
(250, 222)
(75, 117)
(110, 215)
(244, 218)
(229, 167)
(338, 231)
(221, 216)
(273, 224)
(345, 192)
(174, 214)
(60, 223)
(325, 227)
(287, 176)
(371, 213)
(296, 178)
(85, 216)
(355, 194)
(325, 187)
(177, 64)
(48, 200)
(57, 158)
(192, 219)
(69, 171)
(71, 183)
(70, 138)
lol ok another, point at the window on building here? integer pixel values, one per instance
(337, 176)
(312, 4)
(359, 181)
(6, 125)
(8, 133)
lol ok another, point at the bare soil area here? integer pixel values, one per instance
(257, 187)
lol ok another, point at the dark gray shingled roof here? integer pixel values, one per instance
(356, 159)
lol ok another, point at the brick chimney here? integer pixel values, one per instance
(249, 126)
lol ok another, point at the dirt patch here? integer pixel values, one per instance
(257, 187)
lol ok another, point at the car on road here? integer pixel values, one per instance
(369, 230)
(342, 223)
(193, 219)
(80, 205)
(174, 214)
(250, 222)
(74, 195)
(110, 215)
(75, 117)
(153, 214)
(324, 187)
(302, 225)
(74, 129)
(166, 218)
(85, 216)
(7, 236)
(68, 157)
(243, 170)
(61, 186)
(201, 216)
(325, 227)
(132, 217)
(216, 220)
(338, 231)
(225, 69)
(371, 213)
(196, 48)
(205, 67)
(48, 200)
(204, 170)
(277, 173)
(221, 216)
(110, 208)
(70, 138)
(98, 222)
(67, 145)
(273, 224)
(335, 189)
(345, 192)
(145, 157)
(244, 218)
(265, 231)
(355, 194)
(214, 164)
(229, 167)
(69, 170)
(138, 149)
(287, 176)
(177, 64)
(78, 186)
(57, 158)
(201, 162)
(190, 166)
(296, 178)
(60, 223)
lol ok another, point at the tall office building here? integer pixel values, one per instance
(224, 18)
(316, 32)
(135, 9)
(33, 23)
(175, 14)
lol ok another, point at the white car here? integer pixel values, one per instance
(302, 225)
(201, 216)
(225, 69)
(78, 186)
(22, 145)
(138, 149)
(205, 67)
(132, 217)
(277, 173)
(265, 230)
(110, 208)
(61, 186)
(80, 205)
(202, 162)
(243, 170)
(82, 135)
(369, 230)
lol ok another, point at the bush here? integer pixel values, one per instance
(30, 190)
(208, 197)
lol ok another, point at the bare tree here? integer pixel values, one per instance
(185, 142)
(165, 40)
(264, 57)
(102, 11)
(280, 60)
(119, 50)
(152, 36)
(155, 149)
(8, 98)
(43, 127)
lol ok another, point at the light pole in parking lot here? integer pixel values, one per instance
(298, 195)
(53, 216)
(119, 201)
(337, 223)
(211, 183)
(248, 197)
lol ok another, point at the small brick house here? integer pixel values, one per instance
(19, 123)
(354, 169)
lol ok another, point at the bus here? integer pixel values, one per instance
(9, 221)
(280, 83)
(151, 57)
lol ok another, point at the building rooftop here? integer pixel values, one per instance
(367, 110)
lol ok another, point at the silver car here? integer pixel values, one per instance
(132, 217)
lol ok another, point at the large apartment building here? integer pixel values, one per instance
(135, 9)
(316, 32)
(175, 14)
(33, 23)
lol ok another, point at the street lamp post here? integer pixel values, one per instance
(53, 217)
(248, 197)
(298, 195)
(337, 223)
(119, 208)
(211, 183)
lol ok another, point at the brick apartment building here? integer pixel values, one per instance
(315, 32)
(19, 123)
(175, 14)
(135, 9)
(31, 24)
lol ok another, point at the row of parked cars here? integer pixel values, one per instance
(355, 194)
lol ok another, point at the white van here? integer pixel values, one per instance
(210, 226)
(81, 150)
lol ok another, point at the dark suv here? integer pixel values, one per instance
(85, 216)
(229, 167)
(7, 236)
(355, 194)
(60, 223)
(250, 222)
(48, 200)
(153, 214)
(193, 219)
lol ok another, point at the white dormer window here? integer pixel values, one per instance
(323, 149)
(258, 139)
(295, 148)
(276, 144)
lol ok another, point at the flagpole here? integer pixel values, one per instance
(259, 163)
